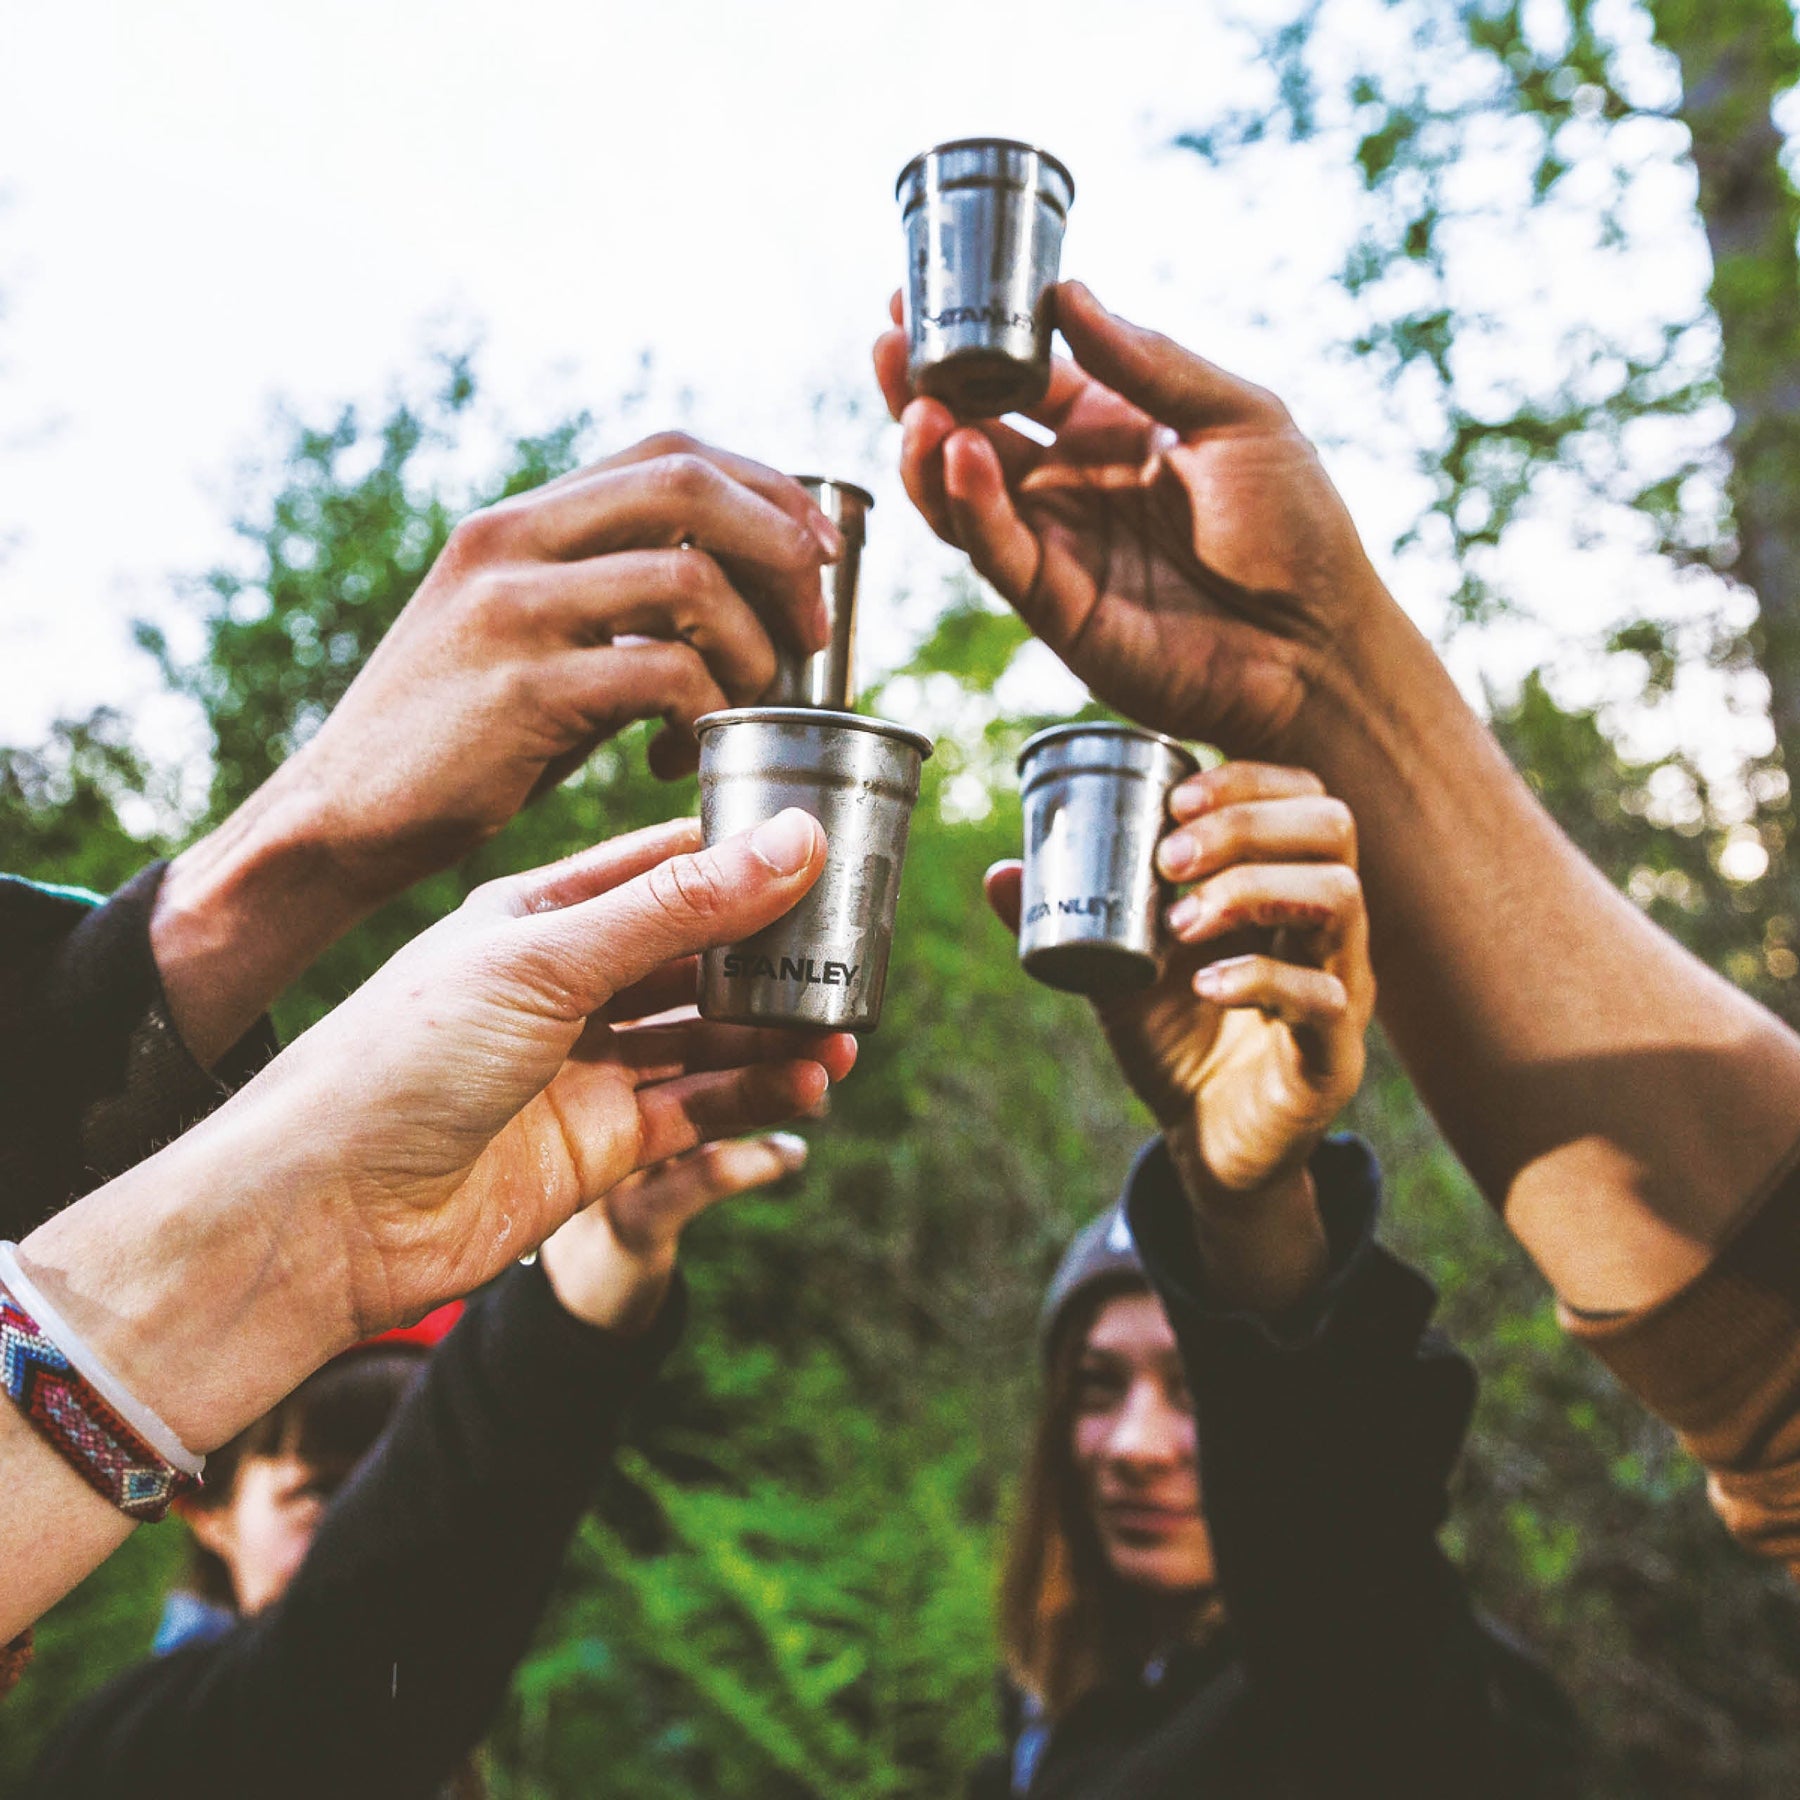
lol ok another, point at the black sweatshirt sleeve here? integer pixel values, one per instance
(1326, 1444)
(93, 1074)
(383, 1664)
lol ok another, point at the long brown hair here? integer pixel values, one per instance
(1067, 1622)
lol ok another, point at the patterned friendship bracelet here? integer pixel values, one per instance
(121, 1449)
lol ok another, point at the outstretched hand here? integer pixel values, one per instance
(1246, 1058)
(1178, 545)
(520, 1059)
(611, 1263)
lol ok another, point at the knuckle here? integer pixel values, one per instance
(1343, 886)
(687, 888)
(685, 477)
(501, 592)
(693, 576)
(481, 536)
(1341, 823)
(670, 443)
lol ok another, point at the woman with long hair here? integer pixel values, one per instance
(1224, 1576)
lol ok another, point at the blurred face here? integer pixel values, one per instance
(262, 1533)
(1134, 1449)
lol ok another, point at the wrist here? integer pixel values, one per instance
(244, 912)
(205, 1279)
(601, 1285)
(1264, 1249)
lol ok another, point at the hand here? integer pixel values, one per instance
(1179, 545)
(500, 1072)
(1245, 1061)
(457, 1109)
(647, 585)
(611, 1263)
(506, 668)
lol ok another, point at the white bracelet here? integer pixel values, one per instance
(86, 1364)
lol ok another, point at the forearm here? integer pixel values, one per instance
(1263, 1252)
(244, 912)
(385, 1660)
(1618, 1101)
(1325, 1451)
(193, 1280)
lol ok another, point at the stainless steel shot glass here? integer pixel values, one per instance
(825, 963)
(1096, 801)
(828, 677)
(984, 224)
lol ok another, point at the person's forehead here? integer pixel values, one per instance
(1132, 1325)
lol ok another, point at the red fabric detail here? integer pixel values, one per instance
(428, 1333)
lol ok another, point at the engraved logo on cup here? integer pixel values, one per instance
(807, 970)
(1107, 907)
(990, 313)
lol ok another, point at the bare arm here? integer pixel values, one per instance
(1182, 548)
(466, 1102)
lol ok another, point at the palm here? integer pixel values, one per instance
(1255, 1090)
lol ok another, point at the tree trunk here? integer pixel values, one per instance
(1736, 57)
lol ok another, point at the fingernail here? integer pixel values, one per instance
(1177, 854)
(1185, 912)
(1163, 439)
(1186, 800)
(785, 842)
(790, 1147)
(827, 536)
(1209, 980)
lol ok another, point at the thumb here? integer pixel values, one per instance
(1001, 886)
(685, 903)
(1171, 384)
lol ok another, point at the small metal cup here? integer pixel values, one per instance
(1096, 802)
(824, 964)
(984, 224)
(827, 678)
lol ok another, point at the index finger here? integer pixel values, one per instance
(775, 487)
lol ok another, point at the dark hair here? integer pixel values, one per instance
(330, 1422)
(1067, 1622)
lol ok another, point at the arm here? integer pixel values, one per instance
(469, 1099)
(1326, 1447)
(94, 1075)
(550, 621)
(1181, 546)
(383, 1664)
(1327, 1424)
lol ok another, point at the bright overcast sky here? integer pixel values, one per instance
(211, 207)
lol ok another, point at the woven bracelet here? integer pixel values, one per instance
(67, 1405)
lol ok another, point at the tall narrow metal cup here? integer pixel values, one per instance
(1096, 801)
(824, 964)
(828, 677)
(984, 224)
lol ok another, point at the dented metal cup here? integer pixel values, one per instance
(827, 678)
(1096, 801)
(984, 224)
(824, 964)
